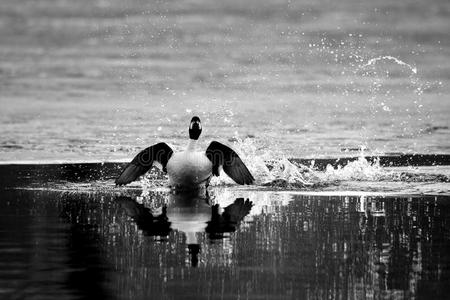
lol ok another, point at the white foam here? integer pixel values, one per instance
(273, 169)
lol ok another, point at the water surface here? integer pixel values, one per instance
(66, 245)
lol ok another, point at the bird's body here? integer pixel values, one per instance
(189, 169)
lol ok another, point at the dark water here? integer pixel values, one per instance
(66, 245)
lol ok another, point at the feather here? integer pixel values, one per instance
(221, 155)
(143, 161)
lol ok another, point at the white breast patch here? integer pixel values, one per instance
(189, 169)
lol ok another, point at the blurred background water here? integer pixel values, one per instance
(98, 80)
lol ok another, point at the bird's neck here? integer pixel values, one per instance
(192, 145)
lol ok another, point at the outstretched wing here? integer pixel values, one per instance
(221, 155)
(160, 152)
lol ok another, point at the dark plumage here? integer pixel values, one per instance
(160, 152)
(221, 155)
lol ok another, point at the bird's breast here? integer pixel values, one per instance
(188, 169)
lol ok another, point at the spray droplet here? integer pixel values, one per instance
(373, 61)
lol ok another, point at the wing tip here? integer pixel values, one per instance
(119, 183)
(247, 179)
(131, 173)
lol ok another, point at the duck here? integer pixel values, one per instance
(191, 168)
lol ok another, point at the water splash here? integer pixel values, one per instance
(373, 61)
(273, 169)
(269, 168)
(358, 170)
(390, 77)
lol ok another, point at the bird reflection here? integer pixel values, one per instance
(191, 214)
(229, 220)
(146, 221)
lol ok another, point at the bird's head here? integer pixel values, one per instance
(195, 128)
